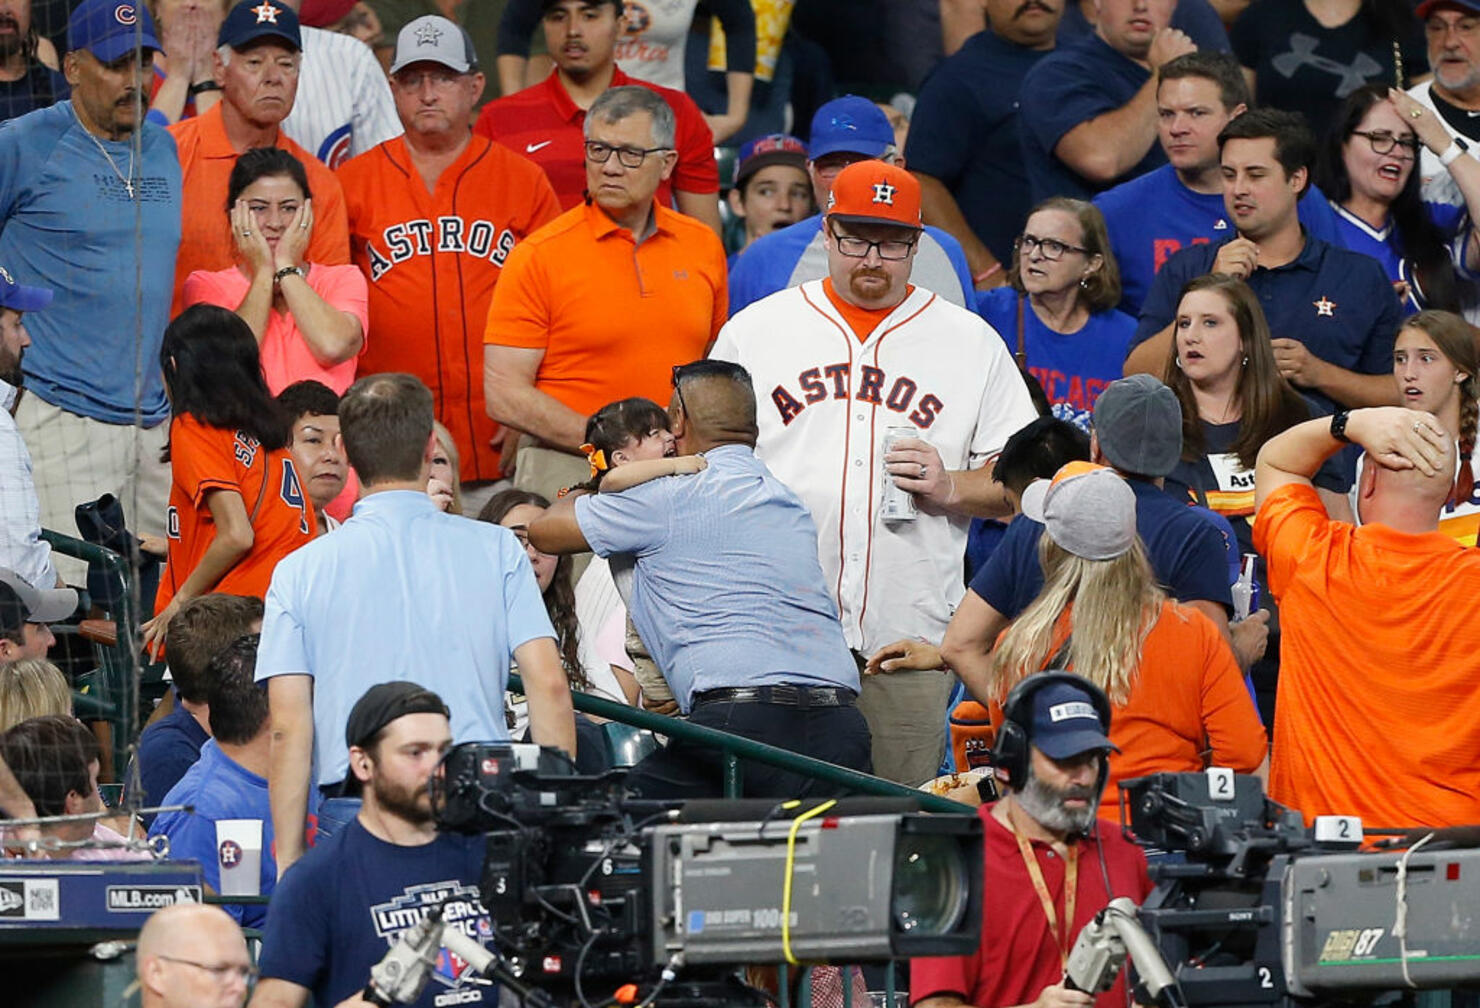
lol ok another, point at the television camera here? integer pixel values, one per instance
(585, 886)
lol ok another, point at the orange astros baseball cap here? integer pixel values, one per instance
(872, 192)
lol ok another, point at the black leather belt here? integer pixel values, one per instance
(786, 696)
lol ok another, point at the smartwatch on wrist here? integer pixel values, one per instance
(286, 271)
(1338, 426)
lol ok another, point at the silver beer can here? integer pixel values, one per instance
(895, 503)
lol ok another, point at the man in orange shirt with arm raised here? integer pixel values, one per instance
(257, 66)
(602, 302)
(433, 216)
(1380, 662)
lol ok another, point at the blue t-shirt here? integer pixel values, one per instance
(167, 749)
(1068, 87)
(795, 254)
(221, 788)
(70, 225)
(728, 589)
(1152, 217)
(1340, 304)
(346, 901)
(1073, 368)
(1187, 554)
(1384, 244)
(965, 133)
(1195, 17)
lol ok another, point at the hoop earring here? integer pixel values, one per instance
(1178, 362)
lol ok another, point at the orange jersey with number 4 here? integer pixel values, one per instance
(205, 459)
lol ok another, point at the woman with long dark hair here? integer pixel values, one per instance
(1368, 169)
(309, 319)
(236, 504)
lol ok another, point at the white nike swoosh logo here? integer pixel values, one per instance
(531, 148)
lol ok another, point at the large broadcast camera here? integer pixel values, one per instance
(1264, 911)
(588, 890)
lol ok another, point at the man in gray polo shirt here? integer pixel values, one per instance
(728, 594)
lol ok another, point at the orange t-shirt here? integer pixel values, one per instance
(612, 317)
(206, 160)
(863, 321)
(1379, 667)
(433, 259)
(1188, 698)
(204, 459)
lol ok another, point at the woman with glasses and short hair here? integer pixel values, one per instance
(1368, 170)
(1057, 313)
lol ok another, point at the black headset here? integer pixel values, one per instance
(1012, 750)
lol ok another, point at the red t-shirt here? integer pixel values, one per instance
(204, 459)
(544, 125)
(1018, 955)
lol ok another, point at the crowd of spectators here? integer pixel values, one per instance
(382, 317)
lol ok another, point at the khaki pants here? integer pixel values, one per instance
(78, 459)
(906, 714)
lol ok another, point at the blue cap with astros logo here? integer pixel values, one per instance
(252, 20)
(19, 297)
(110, 29)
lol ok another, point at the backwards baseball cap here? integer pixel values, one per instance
(1138, 423)
(110, 29)
(1088, 509)
(762, 152)
(1428, 7)
(22, 603)
(384, 703)
(851, 124)
(437, 40)
(1065, 722)
(19, 297)
(252, 20)
(872, 192)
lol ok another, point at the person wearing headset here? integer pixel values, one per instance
(1050, 863)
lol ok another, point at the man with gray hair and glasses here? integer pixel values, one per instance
(603, 301)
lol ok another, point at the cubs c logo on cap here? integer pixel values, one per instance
(125, 14)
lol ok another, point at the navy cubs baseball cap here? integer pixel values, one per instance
(19, 297)
(252, 20)
(1066, 723)
(762, 152)
(110, 29)
(851, 124)
(434, 39)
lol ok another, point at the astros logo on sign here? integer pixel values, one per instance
(884, 193)
(125, 14)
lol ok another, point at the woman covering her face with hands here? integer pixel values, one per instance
(309, 319)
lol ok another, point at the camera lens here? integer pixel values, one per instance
(929, 884)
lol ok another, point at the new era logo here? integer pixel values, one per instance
(1072, 709)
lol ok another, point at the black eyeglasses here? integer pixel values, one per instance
(1050, 248)
(630, 157)
(859, 248)
(1383, 141)
(223, 971)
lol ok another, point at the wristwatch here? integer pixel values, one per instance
(1338, 427)
(204, 86)
(277, 277)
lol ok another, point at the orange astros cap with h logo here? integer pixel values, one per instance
(872, 192)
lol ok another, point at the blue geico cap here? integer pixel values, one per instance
(1065, 722)
(110, 29)
(19, 297)
(851, 124)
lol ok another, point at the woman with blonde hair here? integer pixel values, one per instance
(32, 687)
(1179, 701)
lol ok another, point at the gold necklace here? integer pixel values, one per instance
(127, 180)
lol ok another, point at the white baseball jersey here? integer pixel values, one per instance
(825, 401)
(344, 105)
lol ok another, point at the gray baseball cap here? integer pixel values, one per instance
(40, 605)
(436, 40)
(1138, 423)
(1088, 509)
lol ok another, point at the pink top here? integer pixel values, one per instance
(102, 834)
(285, 356)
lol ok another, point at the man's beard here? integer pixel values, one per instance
(1046, 805)
(13, 44)
(404, 803)
(10, 370)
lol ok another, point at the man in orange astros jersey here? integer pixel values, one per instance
(433, 214)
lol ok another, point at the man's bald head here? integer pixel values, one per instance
(192, 955)
(1406, 499)
(713, 404)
